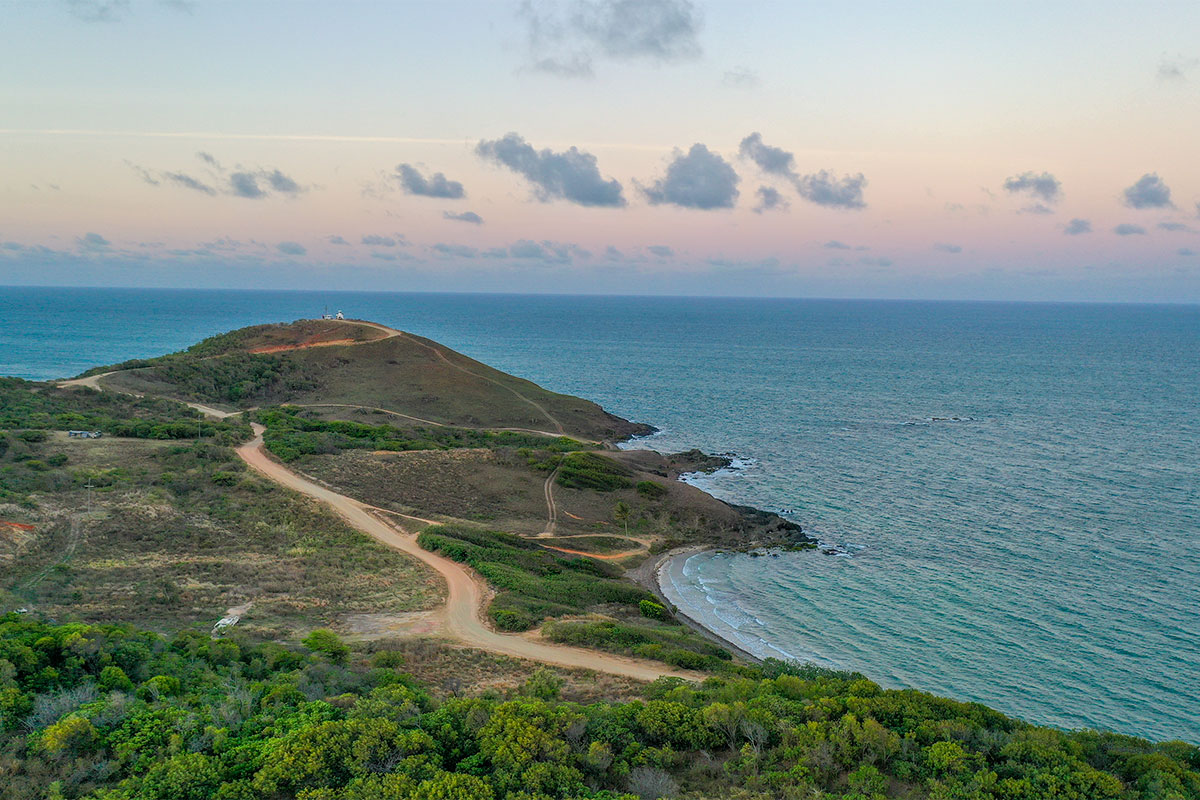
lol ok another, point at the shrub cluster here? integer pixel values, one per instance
(651, 490)
(113, 713)
(533, 583)
(672, 644)
(291, 436)
(593, 471)
(40, 407)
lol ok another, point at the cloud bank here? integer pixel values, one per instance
(248, 183)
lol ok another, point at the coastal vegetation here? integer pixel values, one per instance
(291, 435)
(115, 713)
(26, 405)
(532, 582)
(660, 641)
(593, 471)
(535, 584)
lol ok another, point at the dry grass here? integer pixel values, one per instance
(498, 489)
(166, 547)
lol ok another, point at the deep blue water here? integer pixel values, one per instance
(1038, 555)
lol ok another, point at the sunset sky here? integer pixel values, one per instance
(1039, 151)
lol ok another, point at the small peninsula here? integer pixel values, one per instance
(332, 559)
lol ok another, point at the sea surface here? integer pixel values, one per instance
(1011, 491)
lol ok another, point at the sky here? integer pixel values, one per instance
(937, 150)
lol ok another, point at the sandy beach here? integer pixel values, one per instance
(648, 575)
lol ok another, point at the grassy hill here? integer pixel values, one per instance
(348, 363)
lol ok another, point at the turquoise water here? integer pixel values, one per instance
(1039, 554)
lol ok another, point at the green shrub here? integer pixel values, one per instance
(291, 436)
(673, 644)
(543, 684)
(651, 490)
(71, 735)
(265, 721)
(653, 610)
(323, 640)
(159, 686)
(114, 679)
(533, 582)
(510, 619)
(592, 471)
(41, 407)
(387, 659)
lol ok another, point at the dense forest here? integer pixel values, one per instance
(110, 712)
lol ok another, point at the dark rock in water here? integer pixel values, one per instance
(697, 461)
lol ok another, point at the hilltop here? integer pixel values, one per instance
(360, 366)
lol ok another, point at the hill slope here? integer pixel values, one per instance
(332, 362)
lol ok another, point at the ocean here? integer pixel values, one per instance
(1009, 494)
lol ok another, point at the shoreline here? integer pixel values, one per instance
(648, 576)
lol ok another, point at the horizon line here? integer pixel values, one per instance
(655, 295)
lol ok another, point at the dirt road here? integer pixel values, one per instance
(464, 603)
(93, 382)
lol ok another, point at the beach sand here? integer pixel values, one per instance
(648, 575)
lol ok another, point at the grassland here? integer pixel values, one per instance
(178, 533)
(503, 488)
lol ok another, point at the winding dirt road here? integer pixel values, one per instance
(93, 382)
(464, 603)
